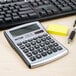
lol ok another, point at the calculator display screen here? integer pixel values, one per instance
(24, 30)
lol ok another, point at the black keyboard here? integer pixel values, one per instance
(16, 12)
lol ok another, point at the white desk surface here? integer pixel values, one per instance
(12, 65)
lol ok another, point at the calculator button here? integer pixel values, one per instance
(55, 44)
(44, 54)
(29, 54)
(45, 48)
(37, 46)
(54, 49)
(59, 48)
(24, 42)
(52, 41)
(38, 56)
(50, 45)
(27, 44)
(19, 44)
(48, 37)
(35, 52)
(22, 47)
(25, 50)
(49, 51)
(38, 41)
(40, 50)
(33, 42)
(43, 39)
(31, 48)
(32, 58)
(45, 35)
(47, 42)
(42, 44)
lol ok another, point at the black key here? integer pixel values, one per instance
(40, 3)
(52, 41)
(49, 51)
(24, 42)
(32, 15)
(54, 49)
(32, 58)
(31, 48)
(50, 45)
(34, 4)
(9, 12)
(47, 42)
(27, 44)
(44, 35)
(22, 12)
(48, 37)
(38, 41)
(1, 21)
(45, 47)
(43, 39)
(35, 52)
(11, 8)
(49, 12)
(55, 44)
(64, 9)
(8, 15)
(15, 10)
(29, 54)
(16, 17)
(59, 48)
(5, 9)
(24, 16)
(33, 42)
(43, 13)
(24, 9)
(40, 50)
(17, 7)
(24, 5)
(38, 56)
(36, 46)
(22, 47)
(44, 54)
(45, 2)
(19, 44)
(2, 12)
(25, 50)
(55, 11)
(8, 19)
(42, 44)
(1, 16)
(14, 14)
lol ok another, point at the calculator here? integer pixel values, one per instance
(35, 46)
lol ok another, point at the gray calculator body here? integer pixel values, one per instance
(34, 32)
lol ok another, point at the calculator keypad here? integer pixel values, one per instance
(39, 47)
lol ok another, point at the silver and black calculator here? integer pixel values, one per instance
(34, 44)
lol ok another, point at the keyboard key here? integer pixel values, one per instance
(24, 16)
(43, 13)
(16, 17)
(8, 19)
(32, 15)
